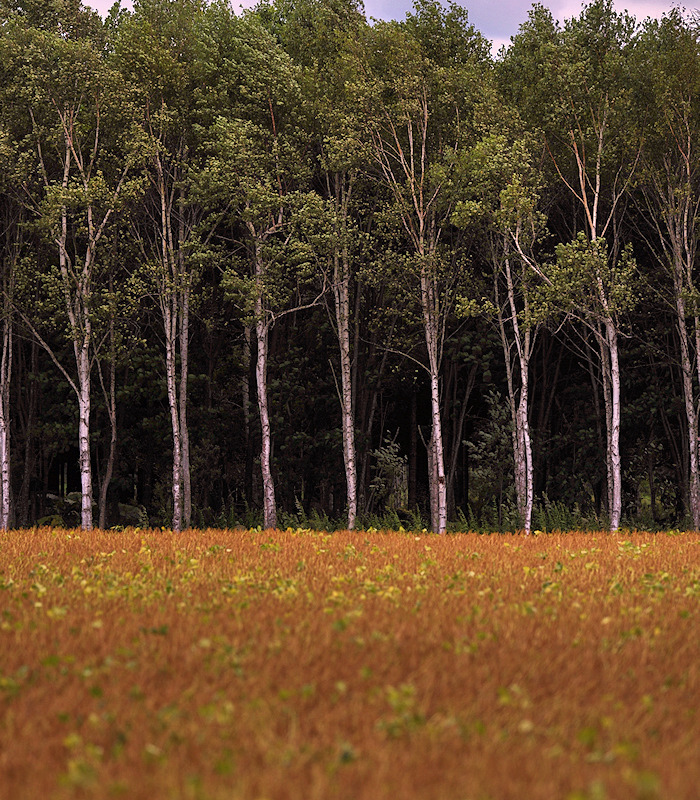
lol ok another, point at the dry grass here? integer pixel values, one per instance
(222, 664)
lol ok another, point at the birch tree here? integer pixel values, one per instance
(575, 84)
(12, 219)
(667, 56)
(504, 187)
(158, 48)
(423, 79)
(82, 147)
(254, 181)
(323, 39)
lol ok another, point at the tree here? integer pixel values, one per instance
(666, 60)
(575, 84)
(12, 218)
(322, 37)
(159, 48)
(423, 78)
(504, 186)
(81, 144)
(254, 182)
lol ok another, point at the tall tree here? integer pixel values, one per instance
(504, 187)
(323, 38)
(255, 181)
(80, 142)
(575, 84)
(12, 218)
(667, 71)
(423, 78)
(160, 48)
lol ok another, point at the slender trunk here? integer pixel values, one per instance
(174, 303)
(262, 332)
(341, 191)
(269, 505)
(614, 432)
(342, 312)
(84, 437)
(76, 292)
(432, 482)
(606, 380)
(171, 385)
(5, 375)
(690, 410)
(595, 388)
(524, 425)
(522, 341)
(438, 487)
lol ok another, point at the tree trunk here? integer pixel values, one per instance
(174, 303)
(438, 486)
(519, 397)
(5, 375)
(262, 335)
(614, 432)
(171, 385)
(690, 410)
(84, 437)
(342, 312)
(340, 192)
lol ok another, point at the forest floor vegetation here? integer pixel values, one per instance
(245, 664)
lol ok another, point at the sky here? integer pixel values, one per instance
(497, 20)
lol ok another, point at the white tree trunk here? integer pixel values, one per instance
(341, 191)
(174, 303)
(171, 386)
(183, 307)
(438, 484)
(262, 335)
(5, 375)
(84, 436)
(689, 398)
(614, 432)
(342, 312)
(520, 410)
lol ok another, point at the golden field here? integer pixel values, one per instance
(227, 665)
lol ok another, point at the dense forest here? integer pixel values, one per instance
(296, 267)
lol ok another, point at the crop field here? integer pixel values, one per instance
(249, 665)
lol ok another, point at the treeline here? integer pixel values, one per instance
(296, 265)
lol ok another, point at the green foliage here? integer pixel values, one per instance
(586, 280)
(388, 486)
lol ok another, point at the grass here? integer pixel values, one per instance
(299, 664)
